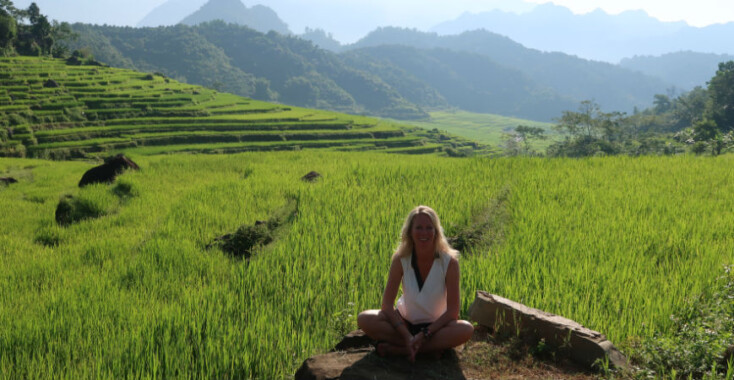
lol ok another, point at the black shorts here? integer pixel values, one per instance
(413, 328)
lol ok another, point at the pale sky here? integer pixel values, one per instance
(421, 14)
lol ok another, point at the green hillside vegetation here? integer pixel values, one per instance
(51, 108)
(567, 76)
(396, 73)
(684, 69)
(219, 55)
(485, 128)
(469, 81)
(618, 244)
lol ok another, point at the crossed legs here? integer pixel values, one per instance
(376, 325)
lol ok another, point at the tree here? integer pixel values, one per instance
(8, 33)
(662, 103)
(527, 134)
(721, 97)
(707, 132)
(690, 107)
(591, 122)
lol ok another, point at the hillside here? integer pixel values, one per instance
(258, 17)
(476, 71)
(684, 69)
(56, 110)
(466, 80)
(570, 77)
(215, 54)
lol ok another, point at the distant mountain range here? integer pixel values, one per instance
(546, 27)
(596, 35)
(170, 13)
(192, 12)
(259, 17)
(574, 78)
(392, 72)
(685, 70)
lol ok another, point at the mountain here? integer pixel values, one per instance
(685, 69)
(595, 35)
(469, 81)
(322, 39)
(170, 12)
(614, 87)
(246, 62)
(259, 17)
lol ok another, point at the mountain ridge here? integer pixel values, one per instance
(596, 35)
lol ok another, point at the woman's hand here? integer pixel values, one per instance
(415, 345)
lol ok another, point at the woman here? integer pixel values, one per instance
(426, 317)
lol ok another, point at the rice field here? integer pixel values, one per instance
(49, 109)
(617, 244)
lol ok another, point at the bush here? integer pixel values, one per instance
(703, 337)
(699, 147)
(93, 203)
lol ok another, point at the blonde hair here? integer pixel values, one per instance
(406, 240)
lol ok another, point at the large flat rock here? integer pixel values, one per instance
(361, 363)
(583, 345)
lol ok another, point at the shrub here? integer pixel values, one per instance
(704, 332)
(94, 203)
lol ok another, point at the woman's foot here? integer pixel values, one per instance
(387, 349)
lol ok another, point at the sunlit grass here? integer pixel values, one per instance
(617, 244)
(485, 128)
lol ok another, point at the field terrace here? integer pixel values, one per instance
(54, 110)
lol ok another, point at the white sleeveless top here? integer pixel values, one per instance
(426, 305)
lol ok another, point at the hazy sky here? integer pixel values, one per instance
(421, 14)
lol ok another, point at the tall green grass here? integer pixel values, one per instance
(617, 244)
(485, 128)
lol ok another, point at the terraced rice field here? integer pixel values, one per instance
(53, 110)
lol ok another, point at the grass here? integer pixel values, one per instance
(617, 244)
(100, 110)
(488, 129)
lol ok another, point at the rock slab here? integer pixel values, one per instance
(581, 344)
(354, 359)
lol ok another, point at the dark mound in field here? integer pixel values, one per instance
(248, 238)
(107, 172)
(51, 84)
(8, 180)
(71, 210)
(312, 176)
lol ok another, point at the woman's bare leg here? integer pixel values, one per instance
(375, 324)
(454, 334)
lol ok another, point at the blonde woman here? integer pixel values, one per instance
(425, 319)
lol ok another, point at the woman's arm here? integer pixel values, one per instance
(453, 298)
(388, 298)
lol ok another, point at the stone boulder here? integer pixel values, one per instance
(107, 172)
(311, 176)
(51, 84)
(582, 345)
(8, 180)
(354, 359)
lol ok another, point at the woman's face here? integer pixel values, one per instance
(423, 232)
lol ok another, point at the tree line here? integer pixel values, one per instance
(699, 121)
(28, 32)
